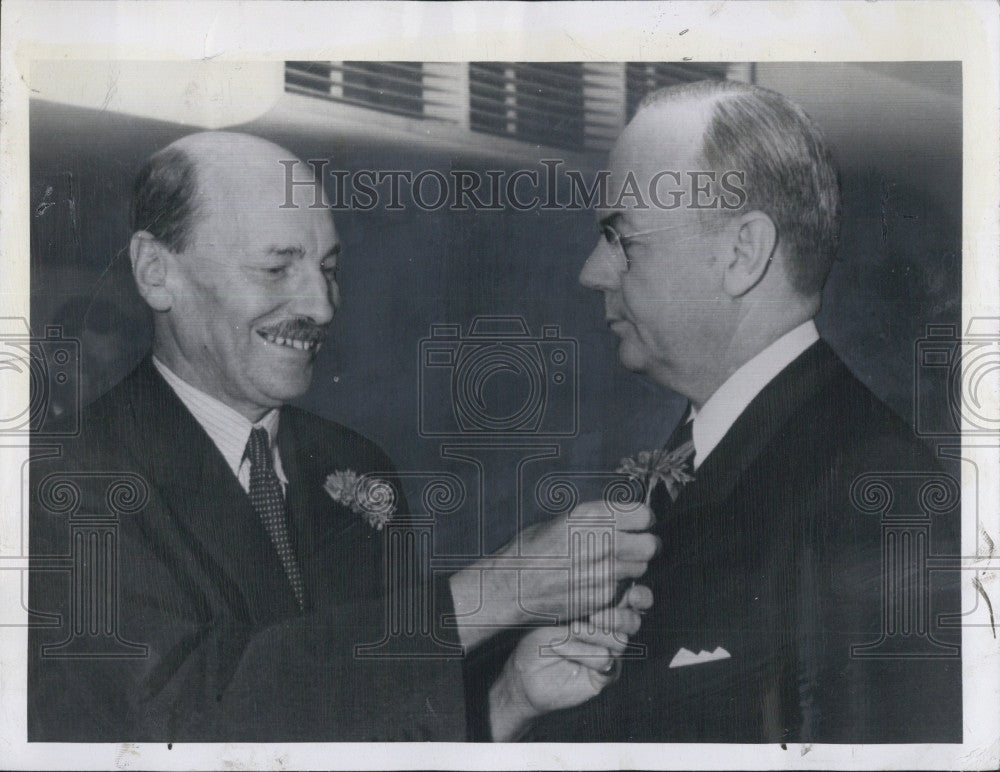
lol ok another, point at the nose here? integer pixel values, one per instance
(317, 296)
(601, 272)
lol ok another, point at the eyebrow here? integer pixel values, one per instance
(610, 219)
(300, 252)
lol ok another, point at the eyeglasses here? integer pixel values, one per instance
(618, 241)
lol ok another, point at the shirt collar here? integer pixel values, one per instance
(229, 430)
(720, 412)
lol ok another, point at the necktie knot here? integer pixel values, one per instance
(258, 449)
(682, 438)
(258, 452)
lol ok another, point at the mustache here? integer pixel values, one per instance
(299, 329)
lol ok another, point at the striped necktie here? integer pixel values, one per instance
(269, 503)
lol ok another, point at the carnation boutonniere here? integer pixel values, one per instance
(371, 497)
(653, 466)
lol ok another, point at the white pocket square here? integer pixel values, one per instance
(684, 657)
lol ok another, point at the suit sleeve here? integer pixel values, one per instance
(184, 665)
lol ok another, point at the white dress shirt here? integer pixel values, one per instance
(228, 429)
(720, 412)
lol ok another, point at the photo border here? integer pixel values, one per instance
(706, 31)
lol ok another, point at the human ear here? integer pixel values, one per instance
(150, 265)
(755, 238)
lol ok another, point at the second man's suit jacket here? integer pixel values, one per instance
(213, 644)
(810, 531)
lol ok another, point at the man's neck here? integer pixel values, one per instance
(754, 334)
(226, 427)
(171, 357)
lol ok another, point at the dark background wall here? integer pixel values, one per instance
(895, 128)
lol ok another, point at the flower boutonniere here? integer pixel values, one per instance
(371, 497)
(653, 466)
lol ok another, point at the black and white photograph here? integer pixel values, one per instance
(475, 385)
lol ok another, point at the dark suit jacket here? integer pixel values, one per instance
(228, 655)
(768, 556)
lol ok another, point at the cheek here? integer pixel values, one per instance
(642, 297)
(655, 316)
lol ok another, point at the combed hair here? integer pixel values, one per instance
(790, 173)
(164, 198)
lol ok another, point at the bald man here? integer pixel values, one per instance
(794, 596)
(237, 594)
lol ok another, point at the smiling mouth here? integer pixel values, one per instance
(304, 341)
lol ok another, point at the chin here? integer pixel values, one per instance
(285, 390)
(632, 358)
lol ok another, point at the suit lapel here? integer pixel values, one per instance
(713, 540)
(705, 532)
(757, 426)
(337, 552)
(207, 505)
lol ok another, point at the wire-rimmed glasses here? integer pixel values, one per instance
(618, 241)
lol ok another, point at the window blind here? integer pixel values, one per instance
(391, 87)
(579, 106)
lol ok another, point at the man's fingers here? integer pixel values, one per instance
(636, 517)
(638, 597)
(622, 620)
(607, 629)
(626, 569)
(591, 656)
(630, 516)
(636, 546)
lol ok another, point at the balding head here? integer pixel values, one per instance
(789, 172)
(698, 284)
(179, 183)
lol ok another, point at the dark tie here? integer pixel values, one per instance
(268, 501)
(682, 439)
(683, 433)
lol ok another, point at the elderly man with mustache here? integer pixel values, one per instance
(244, 589)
